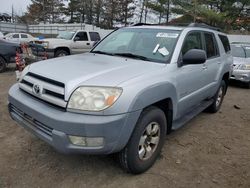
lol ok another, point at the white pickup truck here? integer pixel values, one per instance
(70, 42)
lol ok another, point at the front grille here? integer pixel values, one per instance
(33, 122)
(50, 91)
(236, 66)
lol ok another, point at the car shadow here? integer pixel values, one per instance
(237, 84)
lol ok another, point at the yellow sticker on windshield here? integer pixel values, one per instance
(167, 35)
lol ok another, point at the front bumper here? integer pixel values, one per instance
(50, 53)
(54, 126)
(241, 75)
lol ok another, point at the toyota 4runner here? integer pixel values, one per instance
(137, 85)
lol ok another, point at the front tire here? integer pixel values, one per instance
(61, 53)
(145, 143)
(218, 98)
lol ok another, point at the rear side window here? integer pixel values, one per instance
(24, 36)
(192, 41)
(15, 36)
(225, 43)
(211, 45)
(94, 36)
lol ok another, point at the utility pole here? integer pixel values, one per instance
(195, 10)
(12, 14)
(44, 20)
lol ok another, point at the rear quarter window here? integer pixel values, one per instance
(225, 43)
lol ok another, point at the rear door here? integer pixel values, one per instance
(81, 43)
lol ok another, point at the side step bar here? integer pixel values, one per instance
(190, 115)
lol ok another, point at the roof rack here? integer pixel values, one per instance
(202, 25)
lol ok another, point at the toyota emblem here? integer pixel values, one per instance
(37, 89)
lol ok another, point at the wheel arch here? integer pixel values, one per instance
(65, 48)
(226, 78)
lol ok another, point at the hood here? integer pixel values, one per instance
(240, 60)
(92, 70)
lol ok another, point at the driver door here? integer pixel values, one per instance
(190, 79)
(81, 43)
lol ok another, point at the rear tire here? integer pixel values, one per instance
(145, 143)
(3, 64)
(61, 53)
(218, 98)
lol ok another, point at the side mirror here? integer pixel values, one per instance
(76, 38)
(194, 56)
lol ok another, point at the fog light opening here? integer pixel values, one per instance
(87, 141)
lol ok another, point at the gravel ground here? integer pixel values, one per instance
(213, 150)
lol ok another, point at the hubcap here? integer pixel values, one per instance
(149, 141)
(219, 97)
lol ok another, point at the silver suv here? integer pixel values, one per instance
(137, 85)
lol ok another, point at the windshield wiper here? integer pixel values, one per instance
(132, 56)
(101, 52)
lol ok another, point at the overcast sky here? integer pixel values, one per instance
(19, 6)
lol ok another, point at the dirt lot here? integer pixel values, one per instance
(213, 150)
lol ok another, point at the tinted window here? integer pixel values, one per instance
(82, 36)
(211, 45)
(94, 36)
(192, 41)
(15, 36)
(225, 43)
(24, 36)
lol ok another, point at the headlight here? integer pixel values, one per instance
(45, 44)
(24, 72)
(93, 98)
(245, 67)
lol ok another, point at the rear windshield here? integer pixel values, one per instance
(238, 51)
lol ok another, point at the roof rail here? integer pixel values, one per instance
(141, 24)
(203, 26)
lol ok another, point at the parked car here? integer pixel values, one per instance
(123, 97)
(7, 53)
(19, 37)
(241, 56)
(70, 42)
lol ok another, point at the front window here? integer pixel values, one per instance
(66, 35)
(140, 43)
(238, 51)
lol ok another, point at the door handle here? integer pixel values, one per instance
(88, 44)
(204, 67)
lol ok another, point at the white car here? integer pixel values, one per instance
(19, 37)
(70, 42)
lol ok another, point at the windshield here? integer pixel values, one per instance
(146, 44)
(66, 35)
(238, 51)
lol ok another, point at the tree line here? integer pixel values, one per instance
(226, 14)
